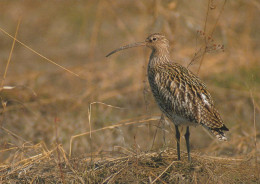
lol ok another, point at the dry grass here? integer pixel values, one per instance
(68, 114)
(125, 166)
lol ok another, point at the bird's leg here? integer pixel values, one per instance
(178, 141)
(187, 138)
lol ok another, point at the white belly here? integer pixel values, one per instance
(178, 120)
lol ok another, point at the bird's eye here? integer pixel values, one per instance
(154, 39)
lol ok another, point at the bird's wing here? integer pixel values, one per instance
(186, 95)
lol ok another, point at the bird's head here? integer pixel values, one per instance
(157, 42)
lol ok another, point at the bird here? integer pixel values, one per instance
(181, 95)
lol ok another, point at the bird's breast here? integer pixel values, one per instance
(169, 93)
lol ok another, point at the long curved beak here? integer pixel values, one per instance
(137, 44)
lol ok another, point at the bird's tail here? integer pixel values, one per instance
(218, 132)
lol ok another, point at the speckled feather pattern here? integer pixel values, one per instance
(181, 95)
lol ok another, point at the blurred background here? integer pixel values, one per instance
(49, 105)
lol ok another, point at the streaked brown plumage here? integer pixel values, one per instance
(180, 94)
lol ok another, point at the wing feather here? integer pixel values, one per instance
(179, 92)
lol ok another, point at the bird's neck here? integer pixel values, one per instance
(159, 57)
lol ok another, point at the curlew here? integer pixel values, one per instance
(180, 94)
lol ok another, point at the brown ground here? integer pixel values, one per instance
(46, 112)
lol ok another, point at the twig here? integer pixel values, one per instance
(5, 72)
(10, 54)
(164, 171)
(3, 112)
(207, 14)
(69, 165)
(89, 112)
(222, 158)
(89, 118)
(108, 127)
(13, 134)
(160, 121)
(158, 178)
(129, 151)
(56, 120)
(255, 141)
(205, 29)
(37, 53)
(222, 8)
(26, 162)
(107, 180)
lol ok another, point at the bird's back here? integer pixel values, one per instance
(183, 97)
